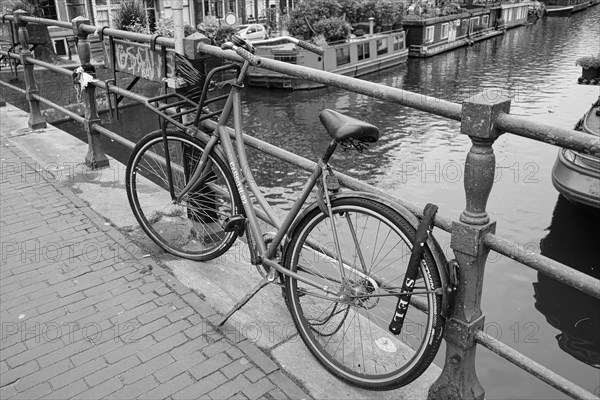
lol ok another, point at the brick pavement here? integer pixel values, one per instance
(85, 314)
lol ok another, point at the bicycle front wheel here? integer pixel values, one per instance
(192, 226)
(347, 328)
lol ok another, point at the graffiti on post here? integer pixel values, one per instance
(138, 59)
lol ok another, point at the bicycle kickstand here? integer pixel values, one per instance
(264, 282)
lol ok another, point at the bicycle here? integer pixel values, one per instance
(366, 284)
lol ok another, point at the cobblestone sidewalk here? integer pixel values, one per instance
(85, 315)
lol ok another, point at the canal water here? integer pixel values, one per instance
(420, 158)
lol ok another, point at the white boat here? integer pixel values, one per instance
(354, 57)
(577, 176)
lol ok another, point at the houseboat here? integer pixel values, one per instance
(577, 176)
(429, 35)
(564, 8)
(355, 57)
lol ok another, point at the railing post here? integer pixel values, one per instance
(95, 157)
(36, 120)
(459, 378)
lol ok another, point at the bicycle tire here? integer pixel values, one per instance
(329, 325)
(192, 228)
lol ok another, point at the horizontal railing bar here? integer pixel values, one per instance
(114, 136)
(11, 55)
(137, 37)
(348, 181)
(15, 88)
(561, 272)
(532, 367)
(574, 140)
(50, 66)
(421, 102)
(41, 99)
(106, 31)
(63, 110)
(46, 21)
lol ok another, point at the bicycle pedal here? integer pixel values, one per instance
(235, 223)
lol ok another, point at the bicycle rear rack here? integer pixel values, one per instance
(173, 106)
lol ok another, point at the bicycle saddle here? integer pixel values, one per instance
(341, 127)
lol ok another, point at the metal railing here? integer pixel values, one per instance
(472, 235)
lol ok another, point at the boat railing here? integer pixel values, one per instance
(483, 118)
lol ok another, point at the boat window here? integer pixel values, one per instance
(382, 46)
(288, 58)
(484, 20)
(398, 43)
(363, 51)
(342, 55)
(429, 34)
(445, 28)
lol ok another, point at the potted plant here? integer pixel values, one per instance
(590, 66)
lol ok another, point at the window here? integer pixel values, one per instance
(429, 34)
(288, 58)
(342, 55)
(363, 51)
(150, 14)
(445, 28)
(382, 46)
(60, 47)
(473, 23)
(49, 9)
(398, 43)
(102, 18)
(485, 20)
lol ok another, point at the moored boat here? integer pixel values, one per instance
(580, 6)
(355, 57)
(559, 11)
(577, 176)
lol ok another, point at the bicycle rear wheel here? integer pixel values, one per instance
(348, 331)
(192, 227)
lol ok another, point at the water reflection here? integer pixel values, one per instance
(572, 239)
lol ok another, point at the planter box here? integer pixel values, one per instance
(590, 73)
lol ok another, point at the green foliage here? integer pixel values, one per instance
(130, 16)
(31, 8)
(333, 29)
(309, 12)
(223, 34)
(166, 27)
(333, 17)
(218, 35)
(590, 61)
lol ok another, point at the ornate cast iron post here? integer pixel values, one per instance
(36, 120)
(459, 378)
(95, 157)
